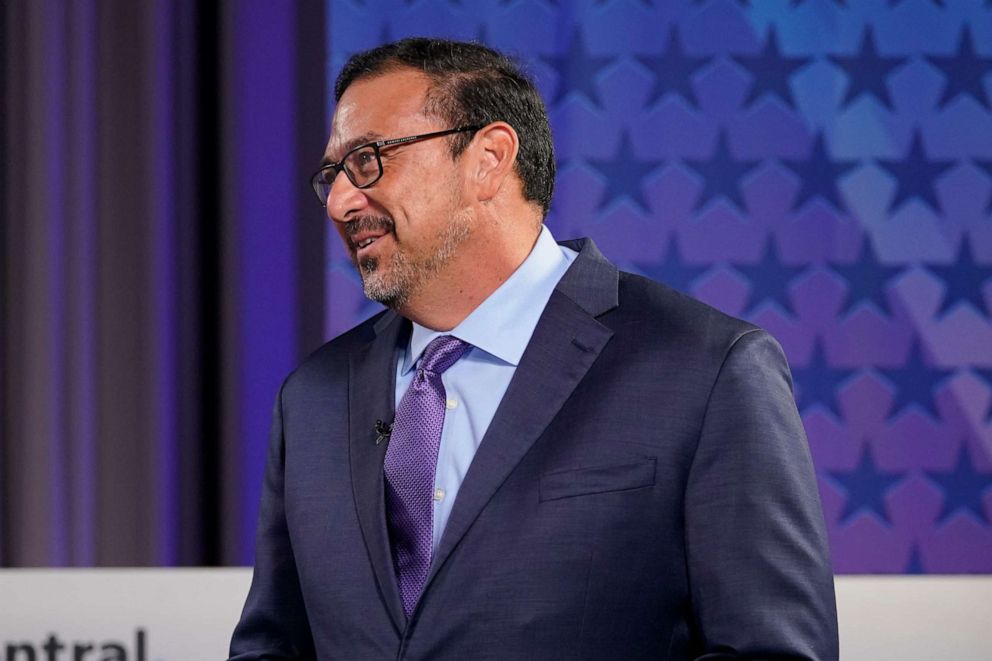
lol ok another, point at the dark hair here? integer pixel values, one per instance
(472, 86)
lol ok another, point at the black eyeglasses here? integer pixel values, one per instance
(363, 164)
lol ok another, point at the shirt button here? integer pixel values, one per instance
(438, 494)
(451, 403)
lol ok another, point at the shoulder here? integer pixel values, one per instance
(330, 361)
(652, 313)
(644, 313)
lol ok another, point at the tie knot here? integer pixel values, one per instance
(442, 353)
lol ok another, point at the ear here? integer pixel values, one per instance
(495, 146)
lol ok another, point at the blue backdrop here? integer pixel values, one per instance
(822, 168)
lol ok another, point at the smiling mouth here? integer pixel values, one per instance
(363, 232)
(367, 241)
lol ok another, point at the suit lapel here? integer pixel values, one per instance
(566, 342)
(370, 397)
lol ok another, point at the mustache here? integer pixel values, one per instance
(368, 224)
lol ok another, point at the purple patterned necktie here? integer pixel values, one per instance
(409, 467)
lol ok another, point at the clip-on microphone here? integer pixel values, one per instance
(382, 431)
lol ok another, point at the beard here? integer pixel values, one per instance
(393, 279)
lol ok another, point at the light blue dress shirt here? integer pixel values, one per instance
(498, 330)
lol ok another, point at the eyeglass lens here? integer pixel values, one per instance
(362, 166)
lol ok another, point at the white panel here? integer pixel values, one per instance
(188, 614)
(185, 614)
(915, 618)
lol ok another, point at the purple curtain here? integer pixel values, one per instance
(161, 270)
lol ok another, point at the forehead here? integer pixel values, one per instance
(389, 105)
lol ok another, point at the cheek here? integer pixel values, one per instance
(419, 208)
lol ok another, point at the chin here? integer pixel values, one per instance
(379, 289)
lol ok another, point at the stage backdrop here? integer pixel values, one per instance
(821, 168)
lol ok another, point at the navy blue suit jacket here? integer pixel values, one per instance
(644, 491)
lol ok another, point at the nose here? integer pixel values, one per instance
(344, 200)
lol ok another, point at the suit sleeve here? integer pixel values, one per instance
(274, 622)
(759, 566)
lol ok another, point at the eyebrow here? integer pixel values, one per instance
(365, 138)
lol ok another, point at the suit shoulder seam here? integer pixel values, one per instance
(716, 379)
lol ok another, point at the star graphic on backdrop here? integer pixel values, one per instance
(817, 382)
(385, 35)
(720, 174)
(769, 279)
(646, 3)
(673, 70)
(672, 269)
(867, 71)
(771, 71)
(915, 564)
(624, 173)
(986, 374)
(963, 280)
(987, 166)
(866, 279)
(963, 487)
(577, 70)
(818, 174)
(915, 175)
(915, 382)
(482, 35)
(965, 71)
(742, 3)
(865, 486)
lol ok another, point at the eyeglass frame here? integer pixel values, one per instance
(317, 179)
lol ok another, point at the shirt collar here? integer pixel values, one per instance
(503, 323)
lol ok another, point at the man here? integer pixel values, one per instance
(530, 455)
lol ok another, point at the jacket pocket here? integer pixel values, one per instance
(598, 479)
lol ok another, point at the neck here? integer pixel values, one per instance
(483, 264)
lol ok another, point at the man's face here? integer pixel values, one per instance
(406, 227)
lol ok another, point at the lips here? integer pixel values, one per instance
(363, 240)
(364, 232)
